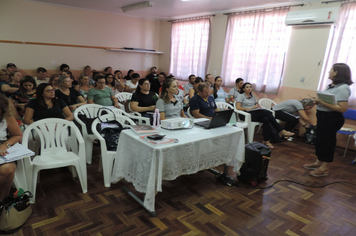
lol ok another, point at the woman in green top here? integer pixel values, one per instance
(102, 95)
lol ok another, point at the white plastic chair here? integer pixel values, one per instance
(123, 96)
(251, 125)
(190, 114)
(138, 119)
(266, 103)
(53, 135)
(108, 157)
(234, 118)
(91, 111)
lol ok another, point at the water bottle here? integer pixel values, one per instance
(156, 118)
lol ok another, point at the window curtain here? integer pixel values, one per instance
(189, 48)
(343, 47)
(255, 47)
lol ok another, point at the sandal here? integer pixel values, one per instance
(286, 134)
(268, 144)
(311, 166)
(319, 173)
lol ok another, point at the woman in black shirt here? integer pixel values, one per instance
(69, 95)
(143, 100)
(46, 105)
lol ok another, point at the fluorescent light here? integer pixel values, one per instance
(136, 6)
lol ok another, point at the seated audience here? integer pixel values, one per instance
(209, 79)
(293, 112)
(84, 86)
(69, 95)
(152, 76)
(53, 80)
(169, 105)
(46, 105)
(219, 93)
(10, 133)
(88, 71)
(4, 76)
(236, 91)
(110, 82)
(156, 84)
(202, 105)
(129, 74)
(11, 67)
(41, 76)
(120, 81)
(143, 100)
(247, 102)
(101, 94)
(64, 67)
(108, 70)
(193, 91)
(26, 92)
(9, 88)
(75, 83)
(190, 84)
(131, 84)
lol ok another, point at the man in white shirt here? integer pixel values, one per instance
(41, 76)
(190, 84)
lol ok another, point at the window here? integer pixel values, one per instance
(189, 48)
(255, 48)
(343, 47)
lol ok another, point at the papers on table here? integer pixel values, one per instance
(326, 97)
(16, 152)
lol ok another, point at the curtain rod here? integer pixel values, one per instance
(259, 9)
(191, 18)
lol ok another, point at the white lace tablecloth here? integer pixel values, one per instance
(145, 165)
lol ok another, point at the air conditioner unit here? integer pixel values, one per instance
(312, 17)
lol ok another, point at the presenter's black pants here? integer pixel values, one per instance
(290, 119)
(328, 125)
(267, 118)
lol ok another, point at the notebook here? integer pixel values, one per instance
(220, 118)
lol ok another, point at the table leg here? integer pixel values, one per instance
(139, 201)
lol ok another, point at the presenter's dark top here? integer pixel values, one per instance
(70, 99)
(44, 113)
(205, 108)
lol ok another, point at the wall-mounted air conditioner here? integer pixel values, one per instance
(312, 17)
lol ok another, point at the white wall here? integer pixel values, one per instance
(36, 22)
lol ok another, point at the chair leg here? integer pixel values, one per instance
(34, 185)
(107, 170)
(89, 150)
(251, 132)
(82, 175)
(347, 145)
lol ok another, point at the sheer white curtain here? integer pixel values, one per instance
(189, 48)
(343, 47)
(255, 47)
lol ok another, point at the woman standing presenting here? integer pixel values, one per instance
(330, 119)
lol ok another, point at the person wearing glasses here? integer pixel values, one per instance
(131, 84)
(4, 76)
(46, 105)
(144, 100)
(9, 88)
(101, 94)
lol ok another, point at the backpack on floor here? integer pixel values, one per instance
(310, 135)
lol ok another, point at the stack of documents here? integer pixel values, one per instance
(16, 152)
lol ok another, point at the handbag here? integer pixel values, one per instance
(310, 135)
(14, 212)
(109, 130)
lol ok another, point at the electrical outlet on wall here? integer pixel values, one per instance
(302, 79)
(53, 63)
(215, 72)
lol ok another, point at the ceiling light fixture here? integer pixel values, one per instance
(136, 6)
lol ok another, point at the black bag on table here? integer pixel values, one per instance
(109, 130)
(310, 135)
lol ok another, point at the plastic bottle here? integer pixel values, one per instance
(156, 118)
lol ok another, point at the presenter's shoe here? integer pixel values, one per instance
(319, 173)
(311, 166)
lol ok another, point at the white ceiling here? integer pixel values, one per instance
(169, 9)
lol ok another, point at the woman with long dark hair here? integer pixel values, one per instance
(330, 119)
(46, 105)
(219, 93)
(247, 102)
(143, 100)
(26, 92)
